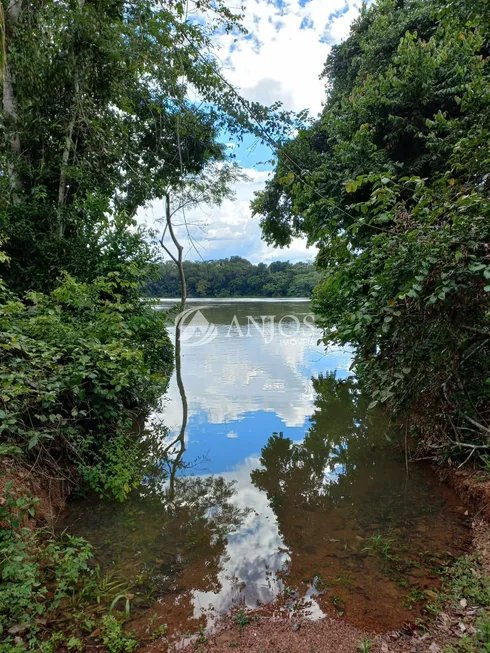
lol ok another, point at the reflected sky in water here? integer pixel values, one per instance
(288, 483)
(249, 381)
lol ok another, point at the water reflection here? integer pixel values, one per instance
(177, 447)
(302, 494)
(245, 370)
(341, 495)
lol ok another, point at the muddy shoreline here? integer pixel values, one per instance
(270, 632)
(271, 629)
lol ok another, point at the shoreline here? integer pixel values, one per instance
(271, 628)
(266, 632)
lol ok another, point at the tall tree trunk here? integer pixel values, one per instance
(10, 113)
(62, 186)
(178, 260)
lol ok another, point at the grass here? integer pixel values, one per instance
(380, 545)
(365, 645)
(241, 619)
(467, 580)
(415, 596)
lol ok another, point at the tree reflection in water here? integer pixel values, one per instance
(168, 540)
(344, 443)
(184, 542)
(344, 484)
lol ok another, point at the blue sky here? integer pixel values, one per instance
(280, 59)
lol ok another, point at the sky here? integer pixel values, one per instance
(280, 59)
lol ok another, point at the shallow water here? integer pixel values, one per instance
(284, 487)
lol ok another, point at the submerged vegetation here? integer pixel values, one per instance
(392, 183)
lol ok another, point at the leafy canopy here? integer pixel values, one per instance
(392, 183)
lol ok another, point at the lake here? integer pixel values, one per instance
(282, 486)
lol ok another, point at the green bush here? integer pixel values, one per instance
(78, 367)
(392, 184)
(36, 573)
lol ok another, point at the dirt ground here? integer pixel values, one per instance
(51, 492)
(271, 635)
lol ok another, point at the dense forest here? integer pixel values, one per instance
(236, 277)
(392, 184)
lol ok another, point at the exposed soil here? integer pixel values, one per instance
(51, 492)
(453, 622)
(472, 486)
(272, 635)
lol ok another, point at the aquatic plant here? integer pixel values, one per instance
(380, 545)
(114, 638)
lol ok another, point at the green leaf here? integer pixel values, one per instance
(288, 179)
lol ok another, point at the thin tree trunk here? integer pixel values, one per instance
(63, 180)
(178, 260)
(11, 116)
(185, 410)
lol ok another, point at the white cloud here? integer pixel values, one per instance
(284, 53)
(280, 59)
(271, 373)
(229, 230)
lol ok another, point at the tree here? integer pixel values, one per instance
(391, 183)
(235, 277)
(97, 121)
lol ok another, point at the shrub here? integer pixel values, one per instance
(36, 573)
(78, 367)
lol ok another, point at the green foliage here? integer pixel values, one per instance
(380, 545)
(241, 619)
(338, 603)
(36, 573)
(236, 277)
(466, 579)
(394, 191)
(365, 645)
(101, 122)
(478, 642)
(97, 355)
(114, 638)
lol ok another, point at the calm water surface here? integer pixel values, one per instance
(283, 486)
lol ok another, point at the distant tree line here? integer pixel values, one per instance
(236, 277)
